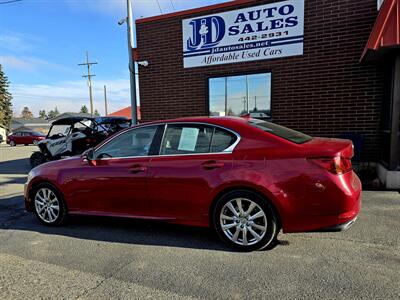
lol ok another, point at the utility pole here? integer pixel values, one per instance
(129, 27)
(105, 100)
(89, 78)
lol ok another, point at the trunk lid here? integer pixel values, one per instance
(328, 147)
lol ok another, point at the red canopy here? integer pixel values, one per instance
(386, 31)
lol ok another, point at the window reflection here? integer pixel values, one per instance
(241, 95)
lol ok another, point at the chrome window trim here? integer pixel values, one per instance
(228, 150)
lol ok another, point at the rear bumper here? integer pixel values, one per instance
(333, 209)
(339, 227)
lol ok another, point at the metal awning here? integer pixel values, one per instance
(385, 36)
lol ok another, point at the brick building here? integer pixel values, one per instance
(302, 68)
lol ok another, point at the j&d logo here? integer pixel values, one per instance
(207, 33)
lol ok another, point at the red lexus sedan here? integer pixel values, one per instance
(25, 138)
(245, 178)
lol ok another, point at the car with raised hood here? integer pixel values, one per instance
(245, 178)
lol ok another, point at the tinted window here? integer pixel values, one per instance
(222, 140)
(186, 139)
(133, 143)
(283, 132)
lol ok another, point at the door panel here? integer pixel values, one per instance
(180, 186)
(18, 138)
(114, 186)
(116, 180)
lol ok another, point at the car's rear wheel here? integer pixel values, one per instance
(12, 144)
(245, 221)
(49, 205)
(35, 142)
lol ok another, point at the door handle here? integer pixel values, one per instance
(212, 164)
(137, 169)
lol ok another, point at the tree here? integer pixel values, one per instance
(53, 113)
(42, 114)
(84, 109)
(5, 100)
(26, 113)
(96, 113)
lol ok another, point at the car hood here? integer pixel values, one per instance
(65, 163)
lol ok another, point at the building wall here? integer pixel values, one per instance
(325, 92)
(3, 133)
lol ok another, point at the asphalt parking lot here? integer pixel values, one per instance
(111, 258)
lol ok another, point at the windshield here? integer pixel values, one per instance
(283, 132)
(59, 129)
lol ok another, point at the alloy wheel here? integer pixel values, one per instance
(243, 221)
(47, 205)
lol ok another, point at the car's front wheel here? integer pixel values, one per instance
(49, 205)
(12, 143)
(245, 221)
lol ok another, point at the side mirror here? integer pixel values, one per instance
(88, 155)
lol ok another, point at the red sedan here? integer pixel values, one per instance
(25, 138)
(245, 178)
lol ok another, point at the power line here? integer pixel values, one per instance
(159, 6)
(10, 1)
(89, 77)
(173, 6)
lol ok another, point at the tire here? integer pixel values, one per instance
(254, 227)
(49, 205)
(12, 144)
(37, 158)
(35, 142)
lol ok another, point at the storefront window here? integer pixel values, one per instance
(241, 95)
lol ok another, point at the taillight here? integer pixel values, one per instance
(336, 165)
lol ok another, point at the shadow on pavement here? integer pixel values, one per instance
(17, 166)
(127, 231)
(13, 180)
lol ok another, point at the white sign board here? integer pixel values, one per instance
(254, 33)
(188, 139)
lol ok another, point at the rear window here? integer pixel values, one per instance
(283, 132)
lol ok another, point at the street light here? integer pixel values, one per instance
(129, 27)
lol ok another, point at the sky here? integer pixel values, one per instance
(43, 41)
